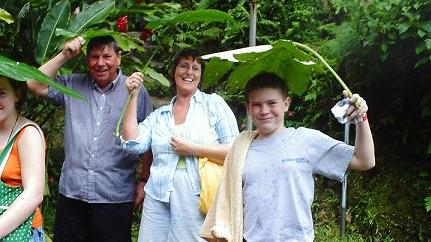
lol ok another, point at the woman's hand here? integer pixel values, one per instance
(134, 82)
(183, 147)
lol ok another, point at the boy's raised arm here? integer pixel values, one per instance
(363, 158)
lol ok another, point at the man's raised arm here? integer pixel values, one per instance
(70, 49)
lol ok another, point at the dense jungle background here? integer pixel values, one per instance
(381, 49)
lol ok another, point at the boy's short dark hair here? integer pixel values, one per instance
(183, 53)
(100, 41)
(265, 80)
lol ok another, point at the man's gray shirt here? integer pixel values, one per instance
(278, 183)
(96, 169)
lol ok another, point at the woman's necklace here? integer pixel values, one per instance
(11, 131)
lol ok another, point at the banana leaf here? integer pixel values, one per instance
(125, 42)
(23, 72)
(204, 15)
(94, 14)
(47, 42)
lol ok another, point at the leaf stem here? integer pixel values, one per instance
(117, 126)
(349, 93)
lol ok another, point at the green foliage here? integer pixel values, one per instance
(57, 17)
(428, 203)
(375, 48)
(408, 21)
(284, 59)
(124, 41)
(5, 16)
(204, 15)
(23, 72)
(392, 43)
(94, 14)
(154, 75)
(215, 70)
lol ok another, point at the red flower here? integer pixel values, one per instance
(146, 33)
(122, 24)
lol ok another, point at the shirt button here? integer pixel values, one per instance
(91, 171)
(92, 155)
(98, 123)
(95, 138)
(101, 108)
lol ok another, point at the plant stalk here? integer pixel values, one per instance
(349, 93)
(117, 127)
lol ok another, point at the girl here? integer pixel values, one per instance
(24, 166)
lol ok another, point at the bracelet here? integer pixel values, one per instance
(365, 117)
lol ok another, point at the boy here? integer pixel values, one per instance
(267, 188)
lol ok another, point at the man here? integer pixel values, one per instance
(267, 196)
(97, 179)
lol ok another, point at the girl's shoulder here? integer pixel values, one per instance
(25, 126)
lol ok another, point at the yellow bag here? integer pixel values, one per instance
(210, 173)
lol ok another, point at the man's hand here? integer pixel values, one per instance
(139, 194)
(73, 47)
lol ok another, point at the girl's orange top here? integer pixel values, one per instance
(12, 176)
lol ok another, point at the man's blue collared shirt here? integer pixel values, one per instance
(96, 169)
(156, 132)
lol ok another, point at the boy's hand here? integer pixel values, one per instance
(353, 109)
(357, 111)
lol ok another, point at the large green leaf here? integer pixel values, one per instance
(203, 15)
(94, 14)
(284, 60)
(156, 76)
(148, 9)
(5, 16)
(57, 17)
(23, 72)
(214, 71)
(124, 41)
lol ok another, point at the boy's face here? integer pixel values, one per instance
(267, 107)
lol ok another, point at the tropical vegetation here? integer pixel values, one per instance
(380, 48)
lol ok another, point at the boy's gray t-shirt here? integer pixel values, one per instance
(278, 183)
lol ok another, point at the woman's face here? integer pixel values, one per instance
(187, 75)
(8, 98)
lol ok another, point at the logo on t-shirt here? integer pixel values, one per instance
(296, 160)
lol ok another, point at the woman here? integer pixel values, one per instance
(24, 165)
(178, 134)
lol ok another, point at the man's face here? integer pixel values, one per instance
(267, 107)
(103, 64)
